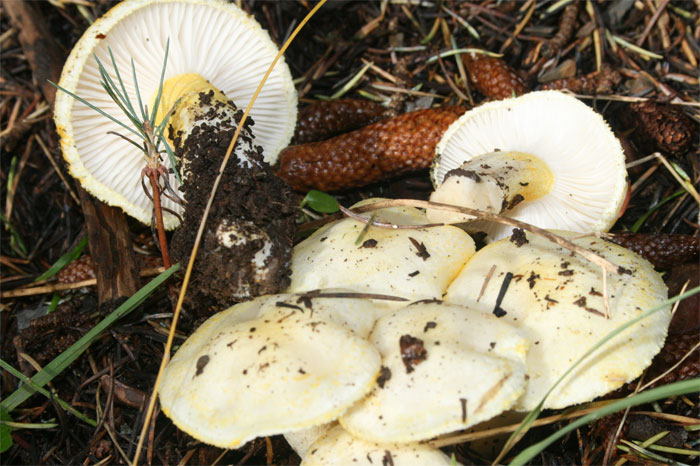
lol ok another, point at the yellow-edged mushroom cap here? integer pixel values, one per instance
(210, 38)
(276, 364)
(556, 299)
(444, 368)
(410, 263)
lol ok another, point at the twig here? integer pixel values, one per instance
(44, 289)
(604, 264)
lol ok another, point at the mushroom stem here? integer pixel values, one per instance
(492, 182)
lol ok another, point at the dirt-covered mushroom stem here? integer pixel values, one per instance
(247, 242)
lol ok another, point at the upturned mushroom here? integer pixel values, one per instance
(412, 263)
(214, 52)
(544, 158)
(276, 364)
(214, 47)
(556, 298)
(444, 368)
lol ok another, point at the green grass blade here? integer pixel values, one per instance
(15, 237)
(154, 110)
(46, 393)
(659, 393)
(100, 111)
(62, 261)
(138, 91)
(171, 157)
(532, 415)
(64, 359)
(124, 95)
(116, 98)
(640, 221)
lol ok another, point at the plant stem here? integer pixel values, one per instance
(153, 176)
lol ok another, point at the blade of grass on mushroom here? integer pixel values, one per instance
(200, 231)
(63, 261)
(64, 359)
(532, 415)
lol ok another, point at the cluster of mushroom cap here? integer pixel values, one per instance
(350, 371)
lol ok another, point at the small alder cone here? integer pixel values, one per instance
(382, 150)
(77, 271)
(663, 126)
(604, 81)
(325, 119)
(566, 29)
(493, 77)
(672, 352)
(663, 251)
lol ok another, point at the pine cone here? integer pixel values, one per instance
(686, 319)
(665, 127)
(675, 348)
(663, 251)
(604, 81)
(378, 151)
(493, 77)
(324, 119)
(77, 271)
(566, 29)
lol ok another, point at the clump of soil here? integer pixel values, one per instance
(247, 242)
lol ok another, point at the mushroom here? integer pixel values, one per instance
(213, 46)
(272, 365)
(412, 263)
(556, 299)
(444, 368)
(545, 157)
(337, 447)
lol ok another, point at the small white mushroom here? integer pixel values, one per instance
(544, 158)
(410, 263)
(444, 368)
(556, 299)
(272, 365)
(337, 447)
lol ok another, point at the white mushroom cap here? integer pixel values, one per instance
(409, 263)
(555, 297)
(444, 368)
(214, 39)
(301, 440)
(272, 365)
(576, 144)
(340, 448)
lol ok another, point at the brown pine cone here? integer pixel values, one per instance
(686, 319)
(325, 119)
(77, 271)
(604, 81)
(378, 151)
(675, 348)
(566, 29)
(493, 77)
(663, 251)
(665, 127)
